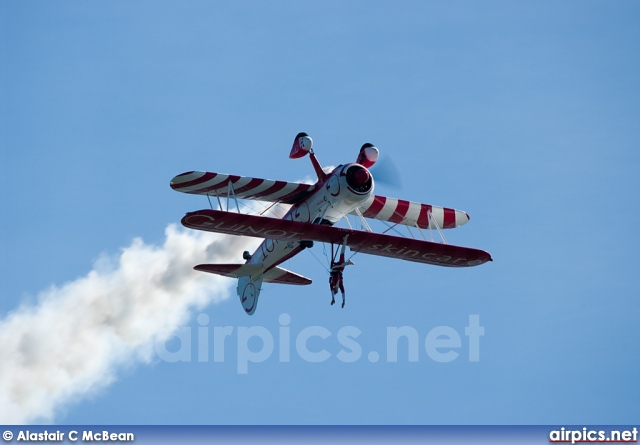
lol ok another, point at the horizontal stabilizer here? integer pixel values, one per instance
(231, 270)
(284, 276)
(273, 275)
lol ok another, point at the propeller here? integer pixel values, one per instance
(386, 173)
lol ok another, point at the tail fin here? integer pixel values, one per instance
(248, 291)
(301, 146)
(368, 155)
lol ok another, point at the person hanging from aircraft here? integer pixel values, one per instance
(335, 275)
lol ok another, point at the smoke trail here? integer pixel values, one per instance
(74, 340)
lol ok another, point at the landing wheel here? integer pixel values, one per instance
(306, 244)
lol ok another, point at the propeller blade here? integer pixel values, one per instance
(385, 172)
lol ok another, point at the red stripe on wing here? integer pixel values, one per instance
(204, 178)
(293, 197)
(222, 186)
(449, 219)
(255, 182)
(401, 211)
(276, 187)
(423, 219)
(375, 207)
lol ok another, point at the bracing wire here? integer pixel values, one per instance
(318, 260)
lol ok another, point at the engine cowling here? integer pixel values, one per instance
(358, 179)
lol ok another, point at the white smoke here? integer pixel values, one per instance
(76, 338)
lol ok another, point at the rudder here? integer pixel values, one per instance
(248, 291)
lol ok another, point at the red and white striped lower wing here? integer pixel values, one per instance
(412, 214)
(244, 187)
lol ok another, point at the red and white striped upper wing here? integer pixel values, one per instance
(412, 214)
(244, 187)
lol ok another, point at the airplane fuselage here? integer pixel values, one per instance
(341, 191)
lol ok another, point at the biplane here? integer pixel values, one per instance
(314, 210)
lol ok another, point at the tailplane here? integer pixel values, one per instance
(284, 276)
(231, 270)
(250, 278)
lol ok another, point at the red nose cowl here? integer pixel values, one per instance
(361, 177)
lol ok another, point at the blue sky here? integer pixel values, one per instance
(524, 114)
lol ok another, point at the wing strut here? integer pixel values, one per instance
(364, 222)
(318, 219)
(435, 223)
(231, 191)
